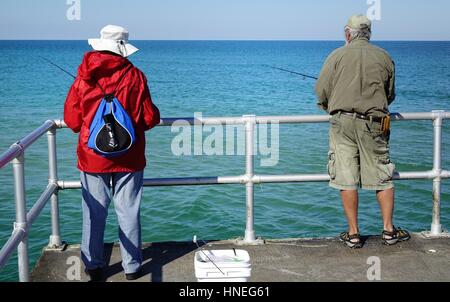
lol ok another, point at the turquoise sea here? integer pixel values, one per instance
(222, 78)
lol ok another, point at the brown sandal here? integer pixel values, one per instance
(352, 241)
(397, 235)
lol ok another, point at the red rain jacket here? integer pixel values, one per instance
(85, 96)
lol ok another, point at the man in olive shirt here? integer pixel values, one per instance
(356, 86)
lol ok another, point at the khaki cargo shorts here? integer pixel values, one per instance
(359, 155)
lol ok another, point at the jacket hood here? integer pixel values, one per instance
(98, 64)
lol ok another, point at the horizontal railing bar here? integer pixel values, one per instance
(202, 121)
(10, 246)
(181, 181)
(69, 184)
(290, 178)
(419, 116)
(217, 180)
(19, 147)
(416, 175)
(326, 177)
(40, 203)
(293, 119)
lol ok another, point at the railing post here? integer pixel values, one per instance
(249, 160)
(55, 237)
(436, 228)
(21, 216)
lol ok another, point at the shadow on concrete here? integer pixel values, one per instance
(154, 257)
(364, 239)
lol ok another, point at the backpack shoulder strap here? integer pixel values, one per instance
(121, 78)
(108, 95)
(100, 86)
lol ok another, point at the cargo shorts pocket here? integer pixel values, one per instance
(331, 165)
(386, 169)
(335, 124)
(374, 131)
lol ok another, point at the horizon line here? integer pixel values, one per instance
(241, 40)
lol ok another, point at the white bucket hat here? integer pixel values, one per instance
(113, 38)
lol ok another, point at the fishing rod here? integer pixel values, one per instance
(201, 249)
(57, 66)
(66, 72)
(292, 72)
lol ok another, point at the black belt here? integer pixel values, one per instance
(361, 116)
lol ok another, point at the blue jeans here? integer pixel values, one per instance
(126, 193)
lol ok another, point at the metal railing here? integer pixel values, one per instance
(24, 219)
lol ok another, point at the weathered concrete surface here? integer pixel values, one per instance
(419, 259)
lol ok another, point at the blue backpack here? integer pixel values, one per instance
(111, 132)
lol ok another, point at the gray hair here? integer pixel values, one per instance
(364, 33)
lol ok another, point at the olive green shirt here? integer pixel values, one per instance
(359, 77)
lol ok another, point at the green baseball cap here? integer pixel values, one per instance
(359, 22)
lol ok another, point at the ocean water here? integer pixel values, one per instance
(225, 78)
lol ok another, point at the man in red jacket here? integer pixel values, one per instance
(108, 67)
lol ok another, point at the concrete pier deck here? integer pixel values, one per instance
(419, 259)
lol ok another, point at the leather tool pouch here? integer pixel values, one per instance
(386, 124)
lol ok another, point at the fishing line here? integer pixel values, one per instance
(57, 66)
(66, 72)
(293, 72)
